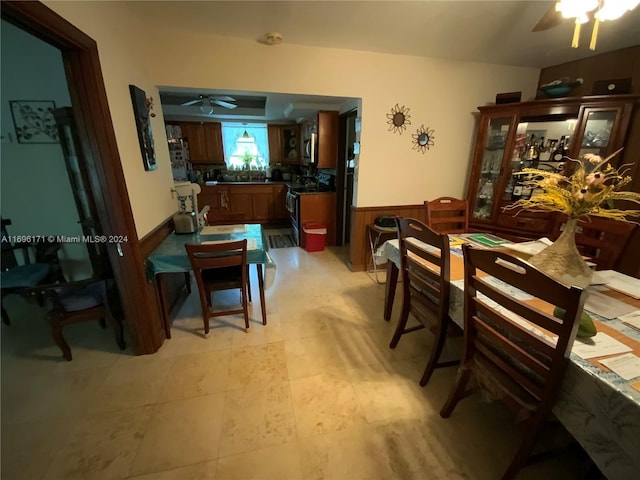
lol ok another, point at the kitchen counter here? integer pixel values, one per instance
(213, 184)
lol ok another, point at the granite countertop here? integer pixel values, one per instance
(213, 183)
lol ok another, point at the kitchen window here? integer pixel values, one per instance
(245, 146)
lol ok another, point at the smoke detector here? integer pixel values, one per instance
(271, 38)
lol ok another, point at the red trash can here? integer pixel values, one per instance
(314, 235)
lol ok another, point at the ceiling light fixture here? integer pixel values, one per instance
(601, 10)
(206, 107)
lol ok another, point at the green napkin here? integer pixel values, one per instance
(586, 329)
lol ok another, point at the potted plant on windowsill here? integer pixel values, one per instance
(247, 158)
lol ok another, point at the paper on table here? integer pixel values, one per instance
(618, 281)
(530, 248)
(251, 243)
(218, 229)
(606, 306)
(598, 346)
(627, 365)
(632, 319)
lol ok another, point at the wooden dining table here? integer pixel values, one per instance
(171, 257)
(597, 406)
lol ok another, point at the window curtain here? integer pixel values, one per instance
(230, 134)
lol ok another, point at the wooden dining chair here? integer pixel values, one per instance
(505, 350)
(448, 215)
(40, 266)
(600, 239)
(230, 219)
(75, 302)
(220, 266)
(425, 264)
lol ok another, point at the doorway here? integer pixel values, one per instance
(96, 138)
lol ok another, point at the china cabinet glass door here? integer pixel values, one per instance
(597, 132)
(491, 166)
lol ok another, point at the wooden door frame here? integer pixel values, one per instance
(97, 138)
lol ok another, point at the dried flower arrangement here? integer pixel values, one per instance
(590, 190)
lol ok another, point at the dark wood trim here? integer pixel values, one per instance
(98, 142)
(151, 240)
(363, 216)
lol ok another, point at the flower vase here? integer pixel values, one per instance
(562, 260)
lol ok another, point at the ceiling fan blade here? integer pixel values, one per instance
(224, 104)
(191, 102)
(224, 98)
(550, 19)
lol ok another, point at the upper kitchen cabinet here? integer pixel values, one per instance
(539, 134)
(204, 141)
(284, 144)
(327, 155)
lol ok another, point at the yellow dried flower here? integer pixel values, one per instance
(590, 190)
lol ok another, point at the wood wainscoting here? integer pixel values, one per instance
(363, 216)
(174, 282)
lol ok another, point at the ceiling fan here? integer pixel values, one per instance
(583, 11)
(208, 101)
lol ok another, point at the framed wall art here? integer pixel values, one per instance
(34, 121)
(143, 124)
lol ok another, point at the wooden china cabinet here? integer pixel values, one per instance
(596, 125)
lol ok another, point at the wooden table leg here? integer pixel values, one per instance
(261, 285)
(162, 293)
(390, 289)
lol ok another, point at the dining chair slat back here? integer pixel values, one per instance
(447, 215)
(506, 347)
(220, 266)
(425, 267)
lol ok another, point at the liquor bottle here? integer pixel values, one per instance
(545, 151)
(508, 191)
(567, 146)
(516, 194)
(559, 152)
(531, 152)
(527, 190)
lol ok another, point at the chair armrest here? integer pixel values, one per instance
(60, 293)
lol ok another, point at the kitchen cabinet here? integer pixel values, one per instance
(284, 144)
(328, 124)
(259, 203)
(588, 124)
(318, 208)
(204, 141)
(280, 202)
(217, 198)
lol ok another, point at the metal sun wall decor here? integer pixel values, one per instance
(142, 111)
(398, 119)
(423, 139)
(34, 121)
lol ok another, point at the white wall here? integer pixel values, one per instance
(36, 192)
(121, 44)
(442, 95)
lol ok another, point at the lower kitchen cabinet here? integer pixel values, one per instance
(280, 202)
(318, 208)
(259, 203)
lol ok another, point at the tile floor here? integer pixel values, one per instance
(315, 394)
